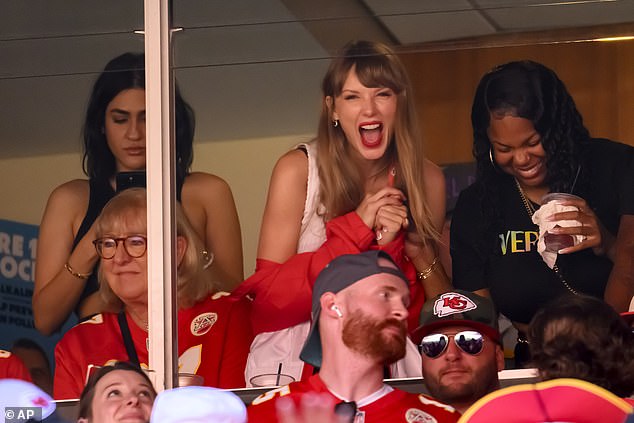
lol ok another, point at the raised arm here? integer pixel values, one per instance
(282, 283)
(282, 219)
(281, 224)
(208, 204)
(57, 291)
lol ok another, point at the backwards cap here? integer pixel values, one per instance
(339, 274)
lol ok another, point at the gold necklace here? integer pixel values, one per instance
(530, 209)
(528, 204)
(144, 324)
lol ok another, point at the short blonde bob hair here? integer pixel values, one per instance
(129, 208)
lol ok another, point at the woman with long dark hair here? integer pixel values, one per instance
(529, 141)
(114, 142)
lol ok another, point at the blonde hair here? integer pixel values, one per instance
(129, 208)
(342, 187)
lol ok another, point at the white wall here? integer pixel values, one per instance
(246, 165)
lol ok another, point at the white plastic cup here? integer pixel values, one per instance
(556, 242)
(271, 380)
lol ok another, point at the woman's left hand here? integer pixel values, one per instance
(390, 219)
(594, 235)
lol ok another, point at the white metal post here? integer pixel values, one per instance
(163, 354)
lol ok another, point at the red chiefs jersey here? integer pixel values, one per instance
(214, 337)
(395, 406)
(283, 291)
(11, 367)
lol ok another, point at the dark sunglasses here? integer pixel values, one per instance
(468, 341)
(347, 410)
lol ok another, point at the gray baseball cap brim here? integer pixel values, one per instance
(339, 274)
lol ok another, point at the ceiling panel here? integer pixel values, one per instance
(560, 15)
(421, 28)
(250, 68)
(414, 21)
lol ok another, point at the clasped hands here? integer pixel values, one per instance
(385, 213)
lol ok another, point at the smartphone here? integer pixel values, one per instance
(132, 179)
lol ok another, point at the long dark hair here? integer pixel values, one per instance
(121, 73)
(532, 91)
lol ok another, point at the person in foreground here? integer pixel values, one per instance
(214, 333)
(553, 401)
(120, 392)
(36, 361)
(198, 404)
(362, 184)
(24, 402)
(360, 312)
(460, 347)
(114, 142)
(582, 337)
(529, 141)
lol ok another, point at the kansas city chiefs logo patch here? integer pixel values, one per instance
(414, 415)
(202, 323)
(452, 303)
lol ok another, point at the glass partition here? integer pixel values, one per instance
(52, 52)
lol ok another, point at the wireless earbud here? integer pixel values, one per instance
(336, 310)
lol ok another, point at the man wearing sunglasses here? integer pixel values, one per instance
(460, 347)
(359, 309)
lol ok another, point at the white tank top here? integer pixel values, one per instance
(313, 230)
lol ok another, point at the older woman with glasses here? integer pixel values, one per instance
(213, 334)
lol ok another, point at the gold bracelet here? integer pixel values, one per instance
(76, 274)
(421, 276)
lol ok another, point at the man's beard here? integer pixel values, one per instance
(365, 335)
(479, 382)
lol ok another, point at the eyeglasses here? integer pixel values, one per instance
(135, 246)
(469, 341)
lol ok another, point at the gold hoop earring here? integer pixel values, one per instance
(491, 157)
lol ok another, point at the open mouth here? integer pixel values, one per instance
(371, 134)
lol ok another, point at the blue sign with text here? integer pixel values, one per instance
(18, 245)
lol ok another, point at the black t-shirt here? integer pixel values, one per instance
(505, 260)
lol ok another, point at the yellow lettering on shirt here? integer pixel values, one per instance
(518, 241)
